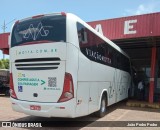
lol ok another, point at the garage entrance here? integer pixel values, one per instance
(145, 60)
(141, 65)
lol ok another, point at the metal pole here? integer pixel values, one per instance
(4, 30)
(4, 27)
(152, 81)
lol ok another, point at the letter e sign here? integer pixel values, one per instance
(129, 27)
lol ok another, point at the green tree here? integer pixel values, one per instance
(4, 64)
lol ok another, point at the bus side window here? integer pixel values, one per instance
(82, 34)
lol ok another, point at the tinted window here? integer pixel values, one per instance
(98, 50)
(93, 47)
(50, 28)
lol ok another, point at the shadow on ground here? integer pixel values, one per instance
(77, 123)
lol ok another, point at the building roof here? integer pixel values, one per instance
(147, 25)
(140, 30)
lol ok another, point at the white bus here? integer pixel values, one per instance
(62, 67)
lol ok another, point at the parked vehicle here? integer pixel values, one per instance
(62, 67)
(4, 82)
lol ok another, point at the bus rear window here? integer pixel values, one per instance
(47, 28)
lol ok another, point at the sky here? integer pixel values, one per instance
(88, 10)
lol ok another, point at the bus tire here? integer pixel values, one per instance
(103, 107)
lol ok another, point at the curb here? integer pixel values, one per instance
(143, 104)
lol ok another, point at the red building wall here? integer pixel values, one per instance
(147, 25)
(129, 27)
(4, 40)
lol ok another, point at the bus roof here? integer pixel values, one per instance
(82, 22)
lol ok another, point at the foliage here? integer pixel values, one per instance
(4, 64)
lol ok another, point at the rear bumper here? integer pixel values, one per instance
(65, 109)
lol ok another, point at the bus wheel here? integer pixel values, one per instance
(102, 111)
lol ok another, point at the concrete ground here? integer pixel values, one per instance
(117, 112)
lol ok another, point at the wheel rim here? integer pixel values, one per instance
(103, 107)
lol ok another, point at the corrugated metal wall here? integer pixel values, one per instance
(130, 27)
(147, 25)
(4, 40)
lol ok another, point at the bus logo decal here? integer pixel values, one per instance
(35, 32)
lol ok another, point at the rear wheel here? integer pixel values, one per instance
(102, 111)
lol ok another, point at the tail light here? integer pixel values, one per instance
(37, 16)
(17, 22)
(63, 13)
(68, 88)
(12, 92)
